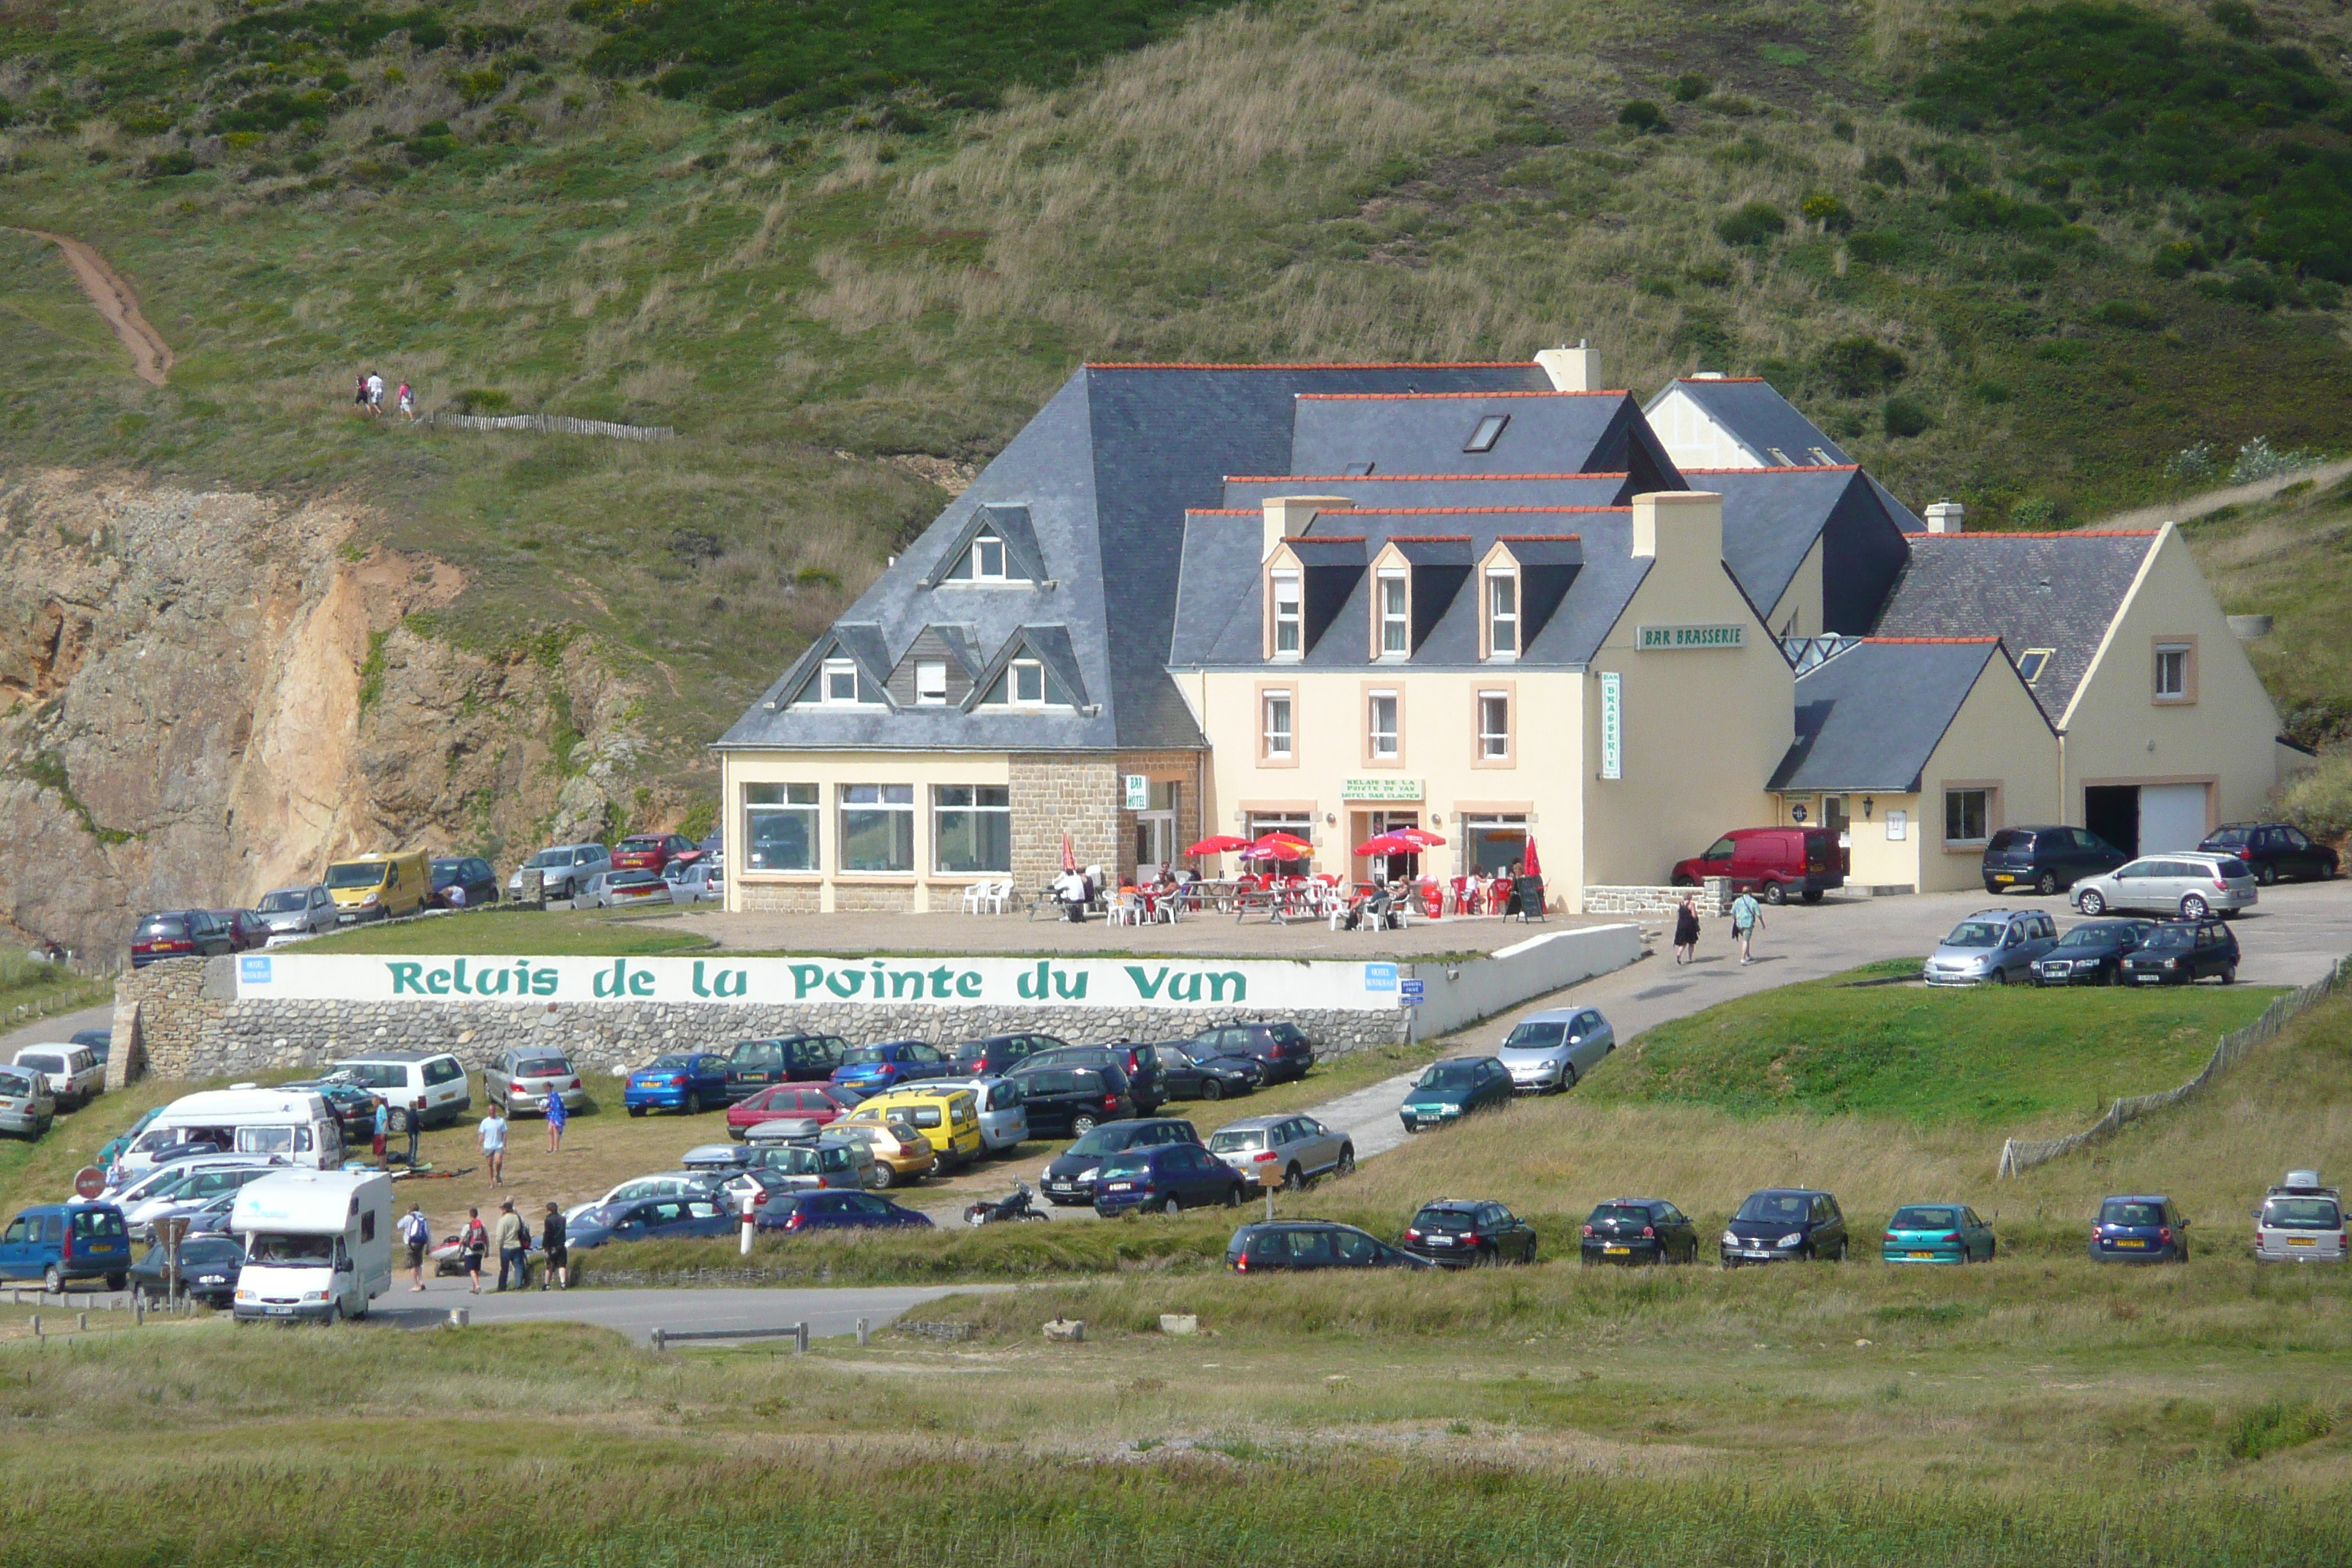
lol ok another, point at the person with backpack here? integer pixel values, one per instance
(417, 1232)
(513, 1238)
(473, 1242)
(1746, 920)
(408, 403)
(555, 1257)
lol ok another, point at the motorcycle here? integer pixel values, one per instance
(1013, 1206)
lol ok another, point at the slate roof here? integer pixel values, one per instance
(1440, 489)
(2054, 591)
(1757, 417)
(1221, 604)
(1423, 432)
(1869, 718)
(1772, 516)
(1104, 471)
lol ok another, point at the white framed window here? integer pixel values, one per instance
(1396, 623)
(1028, 683)
(2175, 671)
(877, 827)
(840, 682)
(1968, 813)
(780, 827)
(2033, 663)
(988, 559)
(1276, 726)
(1502, 615)
(1494, 726)
(1289, 623)
(972, 828)
(1383, 740)
(931, 683)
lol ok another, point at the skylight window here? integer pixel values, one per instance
(1489, 431)
(1822, 459)
(2032, 663)
(1780, 458)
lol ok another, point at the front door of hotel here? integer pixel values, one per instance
(1367, 826)
(1155, 833)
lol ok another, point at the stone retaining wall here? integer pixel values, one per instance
(1712, 897)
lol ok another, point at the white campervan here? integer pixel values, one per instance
(318, 1245)
(292, 1125)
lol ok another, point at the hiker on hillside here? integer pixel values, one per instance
(360, 397)
(472, 1243)
(416, 1235)
(556, 1255)
(1686, 932)
(408, 403)
(513, 1238)
(375, 394)
(1746, 920)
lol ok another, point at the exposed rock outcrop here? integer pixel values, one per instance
(203, 696)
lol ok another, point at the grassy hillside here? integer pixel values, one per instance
(844, 252)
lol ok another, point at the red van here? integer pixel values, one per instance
(1771, 863)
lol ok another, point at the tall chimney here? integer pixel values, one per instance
(1574, 369)
(1287, 517)
(1678, 524)
(1944, 517)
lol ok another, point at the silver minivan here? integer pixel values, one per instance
(1991, 947)
(564, 868)
(2186, 883)
(1550, 1050)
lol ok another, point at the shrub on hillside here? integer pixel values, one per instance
(1858, 367)
(1757, 223)
(2319, 799)
(1690, 87)
(1905, 416)
(2258, 459)
(1641, 116)
(483, 400)
(2129, 314)
(1825, 209)
(1884, 169)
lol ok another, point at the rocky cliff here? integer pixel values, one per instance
(206, 695)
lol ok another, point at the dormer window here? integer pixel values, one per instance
(1502, 615)
(931, 683)
(2030, 664)
(1028, 683)
(1288, 638)
(988, 559)
(1489, 431)
(840, 683)
(1396, 618)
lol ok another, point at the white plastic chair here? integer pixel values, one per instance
(975, 897)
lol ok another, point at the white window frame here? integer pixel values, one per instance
(1393, 733)
(2177, 659)
(981, 546)
(1016, 673)
(1270, 704)
(1287, 592)
(1499, 620)
(1392, 615)
(2030, 664)
(895, 802)
(952, 805)
(834, 670)
(799, 801)
(931, 683)
(1960, 796)
(1494, 746)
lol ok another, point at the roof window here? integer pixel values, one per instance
(1489, 431)
(2031, 663)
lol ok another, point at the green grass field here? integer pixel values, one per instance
(1986, 1057)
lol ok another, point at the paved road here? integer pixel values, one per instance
(64, 1027)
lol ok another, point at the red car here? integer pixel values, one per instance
(654, 852)
(1771, 863)
(819, 1102)
(247, 931)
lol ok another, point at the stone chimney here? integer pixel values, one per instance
(1678, 525)
(1944, 517)
(1287, 517)
(1574, 369)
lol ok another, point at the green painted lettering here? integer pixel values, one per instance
(968, 983)
(1217, 987)
(700, 988)
(641, 984)
(613, 983)
(405, 978)
(543, 982)
(1146, 989)
(806, 977)
(847, 982)
(1061, 985)
(742, 978)
(1185, 988)
(1032, 986)
(458, 979)
(941, 978)
(438, 982)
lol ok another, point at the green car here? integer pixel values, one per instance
(1936, 1233)
(1453, 1089)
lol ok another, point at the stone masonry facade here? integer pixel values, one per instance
(1182, 769)
(194, 1032)
(1057, 791)
(1712, 897)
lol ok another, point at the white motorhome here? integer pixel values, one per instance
(318, 1245)
(294, 1125)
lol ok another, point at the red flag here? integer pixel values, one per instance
(1069, 862)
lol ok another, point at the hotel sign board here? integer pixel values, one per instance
(1667, 639)
(1612, 725)
(1378, 788)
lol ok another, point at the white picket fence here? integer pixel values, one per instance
(2022, 1154)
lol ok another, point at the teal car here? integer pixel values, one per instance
(1936, 1233)
(112, 1151)
(1453, 1089)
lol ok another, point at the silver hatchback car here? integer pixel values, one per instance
(26, 1106)
(1283, 1151)
(1550, 1051)
(2186, 883)
(1991, 947)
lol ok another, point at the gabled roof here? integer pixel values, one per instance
(1425, 432)
(1870, 717)
(1049, 646)
(1772, 518)
(1755, 416)
(1022, 559)
(2054, 591)
(1440, 489)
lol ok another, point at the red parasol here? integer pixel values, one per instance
(1218, 844)
(1533, 867)
(1278, 847)
(1421, 838)
(1069, 861)
(1390, 844)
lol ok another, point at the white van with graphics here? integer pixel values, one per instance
(318, 1245)
(291, 1124)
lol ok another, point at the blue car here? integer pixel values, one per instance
(653, 1219)
(803, 1212)
(683, 1080)
(870, 1069)
(2139, 1228)
(1167, 1177)
(55, 1243)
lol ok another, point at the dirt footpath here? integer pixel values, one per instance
(150, 357)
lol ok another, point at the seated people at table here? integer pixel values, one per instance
(1071, 889)
(1511, 906)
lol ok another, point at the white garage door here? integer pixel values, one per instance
(2171, 817)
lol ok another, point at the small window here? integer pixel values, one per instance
(1489, 431)
(367, 1225)
(1503, 614)
(1396, 627)
(1383, 731)
(988, 559)
(931, 683)
(1780, 458)
(2172, 672)
(2030, 664)
(1494, 726)
(1287, 621)
(1966, 812)
(1028, 683)
(1277, 726)
(840, 682)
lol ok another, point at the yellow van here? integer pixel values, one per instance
(377, 886)
(949, 1118)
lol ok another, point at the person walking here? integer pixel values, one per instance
(493, 1134)
(417, 1232)
(558, 1117)
(415, 1128)
(359, 399)
(555, 1257)
(1686, 932)
(513, 1238)
(382, 1127)
(472, 1243)
(1746, 920)
(375, 394)
(408, 403)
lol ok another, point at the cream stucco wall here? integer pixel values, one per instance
(829, 771)
(2115, 732)
(2000, 741)
(1802, 599)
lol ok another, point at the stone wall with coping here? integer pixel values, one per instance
(1712, 897)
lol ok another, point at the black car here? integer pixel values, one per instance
(354, 1108)
(1297, 1245)
(1187, 1077)
(1138, 1063)
(1639, 1230)
(1463, 1233)
(2091, 953)
(179, 933)
(2045, 860)
(208, 1270)
(471, 872)
(999, 1054)
(1782, 1223)
(1282, 1049)
(2273, 850)
(98, 1041)
(1071, 1101)
(2181, 953)
(754, 1064)
(1069, 1180)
